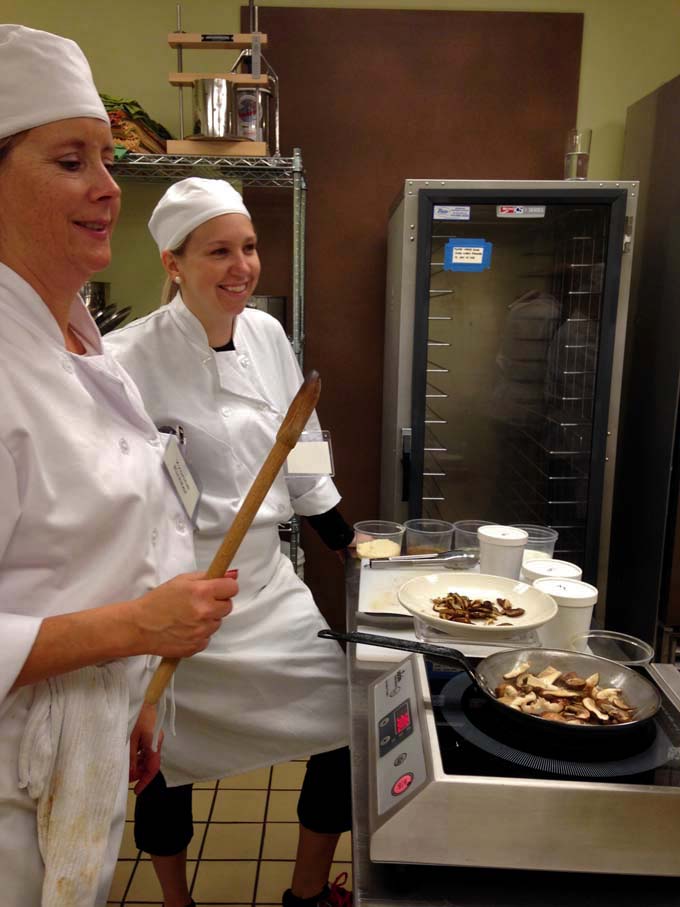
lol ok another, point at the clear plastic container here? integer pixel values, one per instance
(378, 538)
(465, 536)
(541, 541)
(627, 650)
(428, 536)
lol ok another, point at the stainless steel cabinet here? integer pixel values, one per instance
(505, 323)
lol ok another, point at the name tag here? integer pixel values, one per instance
(181, 478)
(311, 456)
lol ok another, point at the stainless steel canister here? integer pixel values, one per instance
(213, 111)
(253, 113)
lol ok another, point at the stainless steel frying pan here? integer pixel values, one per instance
(640, 693)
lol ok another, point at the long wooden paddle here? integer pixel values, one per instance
(287, 436)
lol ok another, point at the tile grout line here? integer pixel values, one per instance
(205, 835)
(262, 836)
(210, 822)
(129, 881)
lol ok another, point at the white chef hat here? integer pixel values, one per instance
(44, 78)
(188, 204)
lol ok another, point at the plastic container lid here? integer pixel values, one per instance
(542, 567)
(568, 593)
(503, 535)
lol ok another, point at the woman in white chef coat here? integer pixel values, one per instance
(266, 689)
(89, 526)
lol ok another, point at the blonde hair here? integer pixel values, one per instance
(170, 288)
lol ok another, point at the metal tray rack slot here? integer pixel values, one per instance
(548, 456)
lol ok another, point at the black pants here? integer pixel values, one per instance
(164, 820)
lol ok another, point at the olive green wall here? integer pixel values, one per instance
(630, 47)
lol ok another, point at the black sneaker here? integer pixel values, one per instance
(333, 895)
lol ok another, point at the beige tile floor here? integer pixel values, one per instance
(242, 853)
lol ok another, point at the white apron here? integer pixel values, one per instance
(87, 518)
(266, 689)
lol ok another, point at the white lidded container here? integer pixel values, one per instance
(542, 567)
(501, 549)
(575, 602)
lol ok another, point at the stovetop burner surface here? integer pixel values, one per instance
(474, 740)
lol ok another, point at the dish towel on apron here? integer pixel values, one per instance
(71, 760)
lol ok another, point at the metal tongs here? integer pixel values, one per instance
(451, 560)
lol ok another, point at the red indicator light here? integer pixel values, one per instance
(402, 784)
(403, 722)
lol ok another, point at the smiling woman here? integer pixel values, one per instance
(60, 204)
(79, 458)
(268, 690)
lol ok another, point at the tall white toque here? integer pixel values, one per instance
(45, 78)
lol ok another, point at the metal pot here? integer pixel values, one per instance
(638, 692)
(214, 103)
(95, 294)
(111, 321)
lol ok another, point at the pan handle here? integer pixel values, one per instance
(420, 648)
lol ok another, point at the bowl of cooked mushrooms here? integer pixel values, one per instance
(467, 604)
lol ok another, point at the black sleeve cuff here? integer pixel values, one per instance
(332, 529)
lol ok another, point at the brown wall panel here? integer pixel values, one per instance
(373, 97)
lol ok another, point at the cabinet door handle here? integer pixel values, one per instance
(405, 464)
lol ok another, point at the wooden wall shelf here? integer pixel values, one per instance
(216, 148)
(183, 79)
(193, 41)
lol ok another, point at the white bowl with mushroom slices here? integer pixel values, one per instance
(463, 605)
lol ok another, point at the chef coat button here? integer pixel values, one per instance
(154, 442)
(66, 365)
(154, 537)
(226, 411)
(244, 361)
(180, 525)
(124, 446)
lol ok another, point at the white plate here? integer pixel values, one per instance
(416, 596)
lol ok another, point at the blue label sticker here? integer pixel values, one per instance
(467, 255)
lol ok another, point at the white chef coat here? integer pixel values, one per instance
(266, 689)
(87, 518)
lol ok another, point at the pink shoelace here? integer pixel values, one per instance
(337, 895)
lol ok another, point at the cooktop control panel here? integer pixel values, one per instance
(400, 760)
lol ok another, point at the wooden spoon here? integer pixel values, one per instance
(287, 437)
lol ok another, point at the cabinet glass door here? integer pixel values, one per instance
(507, 380)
